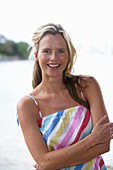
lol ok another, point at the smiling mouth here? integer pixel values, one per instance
(53, 65)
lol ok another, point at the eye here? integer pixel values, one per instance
(61, 51)
(46, 51)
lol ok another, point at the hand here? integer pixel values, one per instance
(102, 131)
(37, 167)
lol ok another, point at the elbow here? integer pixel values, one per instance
(46, 164)
(107, 147)
(43, 166)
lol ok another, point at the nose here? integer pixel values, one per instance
(53, 56)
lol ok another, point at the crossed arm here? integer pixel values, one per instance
(83, 151)
(93, 145)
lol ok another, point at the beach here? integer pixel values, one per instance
(16, 82)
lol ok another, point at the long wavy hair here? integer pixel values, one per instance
(68, 78)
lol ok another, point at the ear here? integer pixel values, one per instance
(36, 57)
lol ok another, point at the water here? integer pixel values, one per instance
(15, 82)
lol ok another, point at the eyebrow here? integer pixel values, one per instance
(45, 49)
(57, 49)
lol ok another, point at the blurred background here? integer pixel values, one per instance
(89, 24)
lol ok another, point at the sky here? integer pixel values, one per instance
(86, 21)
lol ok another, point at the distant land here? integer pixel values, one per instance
(10, 50)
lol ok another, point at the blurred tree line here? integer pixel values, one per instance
(10, 48)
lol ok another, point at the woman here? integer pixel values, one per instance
(64, 120)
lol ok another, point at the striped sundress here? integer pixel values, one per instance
(66, 127)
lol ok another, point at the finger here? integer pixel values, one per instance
(102, 120)
(111, 134)
(35, 166)
(111, 125)
(111, 129)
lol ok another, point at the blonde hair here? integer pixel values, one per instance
(38, 34)
(68, 78)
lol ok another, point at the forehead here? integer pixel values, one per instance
(52, 41)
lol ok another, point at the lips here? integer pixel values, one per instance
(53, 65)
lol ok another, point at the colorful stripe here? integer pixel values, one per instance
(83, 125)
(71, 130)
(53, 125)
(61, 127)
(17, 119)
(67, 127)
(79, 167)
(90, 164)
(101, 163)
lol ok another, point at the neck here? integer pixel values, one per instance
(52, 85)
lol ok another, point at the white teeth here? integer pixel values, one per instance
(53, 65)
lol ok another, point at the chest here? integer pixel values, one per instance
(66, 127)
(55, 104)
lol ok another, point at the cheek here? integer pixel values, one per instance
(42, 61)
(41, 58)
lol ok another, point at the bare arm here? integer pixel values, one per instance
(37, 146)
(64, 157)
(97, 109)
(98, 149)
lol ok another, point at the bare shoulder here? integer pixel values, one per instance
(90, 87)
(23, 103)
(26, 110)
(88, 79)
(89, 83)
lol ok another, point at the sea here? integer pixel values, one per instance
(16, 82)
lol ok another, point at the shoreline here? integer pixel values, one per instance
(10, 58)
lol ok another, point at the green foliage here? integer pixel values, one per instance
(10, 48)
(22, 49)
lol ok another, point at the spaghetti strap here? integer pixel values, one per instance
(36, 104)
(82, 95)
(81, 90)
(33, 99)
